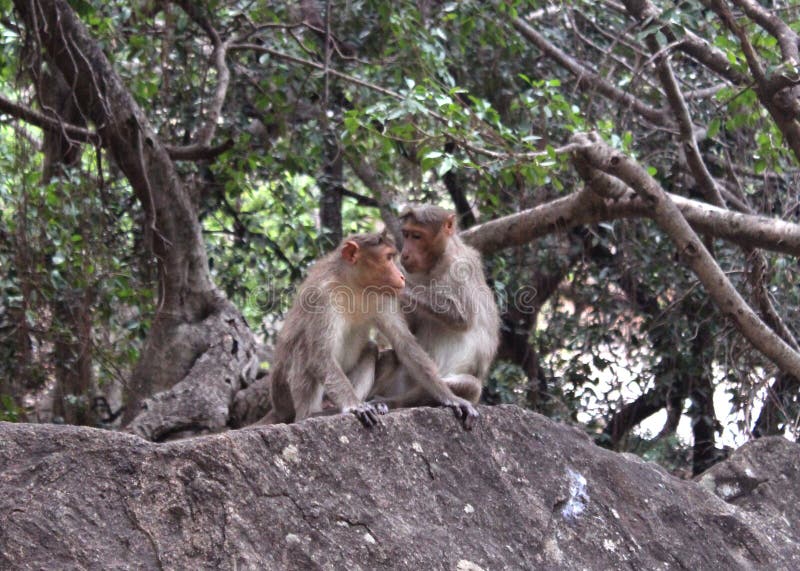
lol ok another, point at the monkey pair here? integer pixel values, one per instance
(440, 319)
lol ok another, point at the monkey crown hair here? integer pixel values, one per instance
(425, 215)
(370, 240)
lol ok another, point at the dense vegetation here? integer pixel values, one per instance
(292, 125)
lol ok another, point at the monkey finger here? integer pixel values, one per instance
(456, 408)
(366, 415)
(381, 408)
(471, 416)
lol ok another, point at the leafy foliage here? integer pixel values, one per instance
(448, 101)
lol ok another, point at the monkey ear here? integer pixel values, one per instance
(450, 224)
(350, 252)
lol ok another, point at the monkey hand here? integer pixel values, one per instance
(464, 410)
(366, 413)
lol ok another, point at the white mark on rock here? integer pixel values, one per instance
(552, 551)
(465, 565)
(503, 469)
(342, 523)
(728, 490)
(369, 539)
(578, 496)
(292, 539)
(609, 545)
(469, 509)
(615, 513)
(417, 447)
(344, 440)
(291, 454)
(281, 464)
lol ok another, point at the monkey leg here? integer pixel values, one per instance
(272, 417)
(390, 377)
(307, 398)
(362, 375)
(465, 386)
(462, 385)
(281, 398)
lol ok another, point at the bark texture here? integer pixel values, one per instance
(194, 320)
(417, 492)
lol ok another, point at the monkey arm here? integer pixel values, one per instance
(341, 392)
(437, 304)
(337, 386)
(421, 367)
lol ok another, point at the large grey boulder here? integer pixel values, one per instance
(417, 492)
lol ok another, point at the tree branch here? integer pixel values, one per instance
(782, 105)
(82, 135)
(645, 10)
(47, 123)
(787, 38)
(369, 177)
(668, 217)
(576, 209)
(588, 79)
(206, 132)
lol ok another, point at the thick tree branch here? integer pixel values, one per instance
(577, 209)
(668, 217)
(713, 58)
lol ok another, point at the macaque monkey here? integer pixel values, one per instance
(449, 307)
(324, 348)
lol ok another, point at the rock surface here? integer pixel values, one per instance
(417, 492)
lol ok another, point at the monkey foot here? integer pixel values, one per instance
(367, 413)
(464, 411)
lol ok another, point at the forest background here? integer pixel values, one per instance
(629, 170)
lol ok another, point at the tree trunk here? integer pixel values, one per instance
(198, 338)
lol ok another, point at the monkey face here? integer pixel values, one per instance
(379, 269)
(422, 247)
(388, 269)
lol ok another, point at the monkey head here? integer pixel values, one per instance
(426, 231)
(370, 260)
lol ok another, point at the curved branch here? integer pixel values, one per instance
(198, 152)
